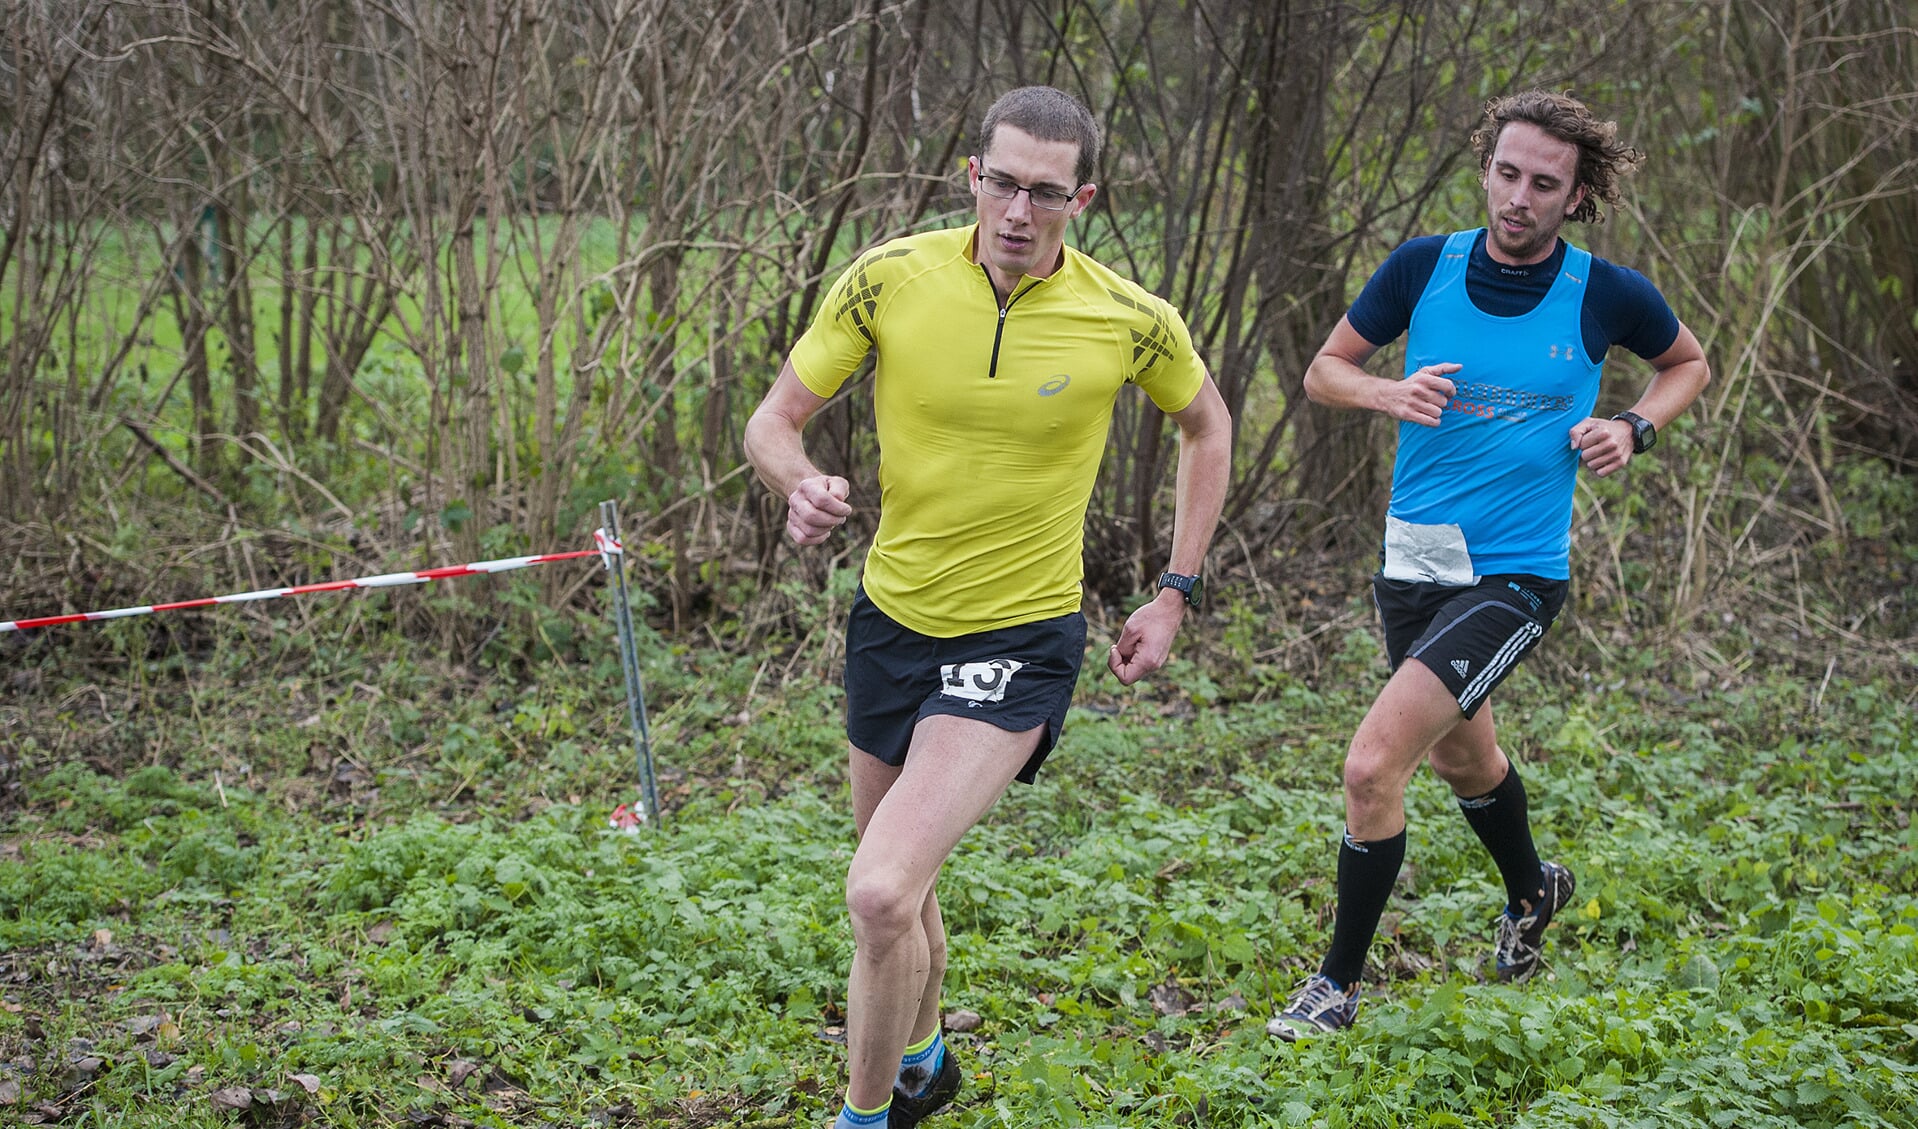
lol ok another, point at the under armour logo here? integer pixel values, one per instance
(1554, 354)
(1464, 668)
(978, 682)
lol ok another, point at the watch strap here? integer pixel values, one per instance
(1644, 433)
(1187, 586)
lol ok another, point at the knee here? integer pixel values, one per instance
(1369, 777)
(1470, 769)
(1446, 763)
(882, 908)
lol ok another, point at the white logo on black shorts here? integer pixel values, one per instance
(978, 682)
(1464, 668)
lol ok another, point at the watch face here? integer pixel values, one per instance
(1643, 433)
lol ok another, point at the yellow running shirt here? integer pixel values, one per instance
(991, 424)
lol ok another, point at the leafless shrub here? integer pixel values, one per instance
(424, 280)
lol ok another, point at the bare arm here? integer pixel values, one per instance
(815, 501)
(1337, 379)
(1679, 374)
(1205, 470)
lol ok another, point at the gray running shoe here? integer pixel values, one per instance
(1319, 1007)
(1521, 939)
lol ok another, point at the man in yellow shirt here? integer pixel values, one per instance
(1000, 354)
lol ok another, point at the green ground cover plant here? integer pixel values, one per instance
(278, 312)
(278, 884)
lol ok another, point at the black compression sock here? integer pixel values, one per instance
(1503, 823)
(1366, 874)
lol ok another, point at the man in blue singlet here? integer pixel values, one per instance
(1509, 327)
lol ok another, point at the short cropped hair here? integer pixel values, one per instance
(1049, 115)
(1603, 160)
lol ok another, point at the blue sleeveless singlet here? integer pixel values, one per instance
(1489, 490)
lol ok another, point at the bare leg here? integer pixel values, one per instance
(1410, 717)
(871, 778)
(1468, 758)
(955, 771)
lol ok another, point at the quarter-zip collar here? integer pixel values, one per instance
(999, 331)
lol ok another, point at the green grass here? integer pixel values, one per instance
(376, 890)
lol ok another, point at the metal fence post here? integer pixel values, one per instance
(629, 661)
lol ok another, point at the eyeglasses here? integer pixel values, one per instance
(1049, 199)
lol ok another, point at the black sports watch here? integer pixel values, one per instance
(1191, 587)
(1644, 435)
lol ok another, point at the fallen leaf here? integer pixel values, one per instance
(141, 1025)
(272, 1099)
(1170, 999)
(308, 1082)
(232, 1099)
(460, 1070)
(961, 1020)
(9, 1092)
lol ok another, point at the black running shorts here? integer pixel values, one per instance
(1471, 637)
(1015, 678)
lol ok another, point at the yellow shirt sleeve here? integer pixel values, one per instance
(843, 330)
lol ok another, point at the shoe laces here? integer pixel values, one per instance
(1317, 996)
(1519, 937)
(1511, 933)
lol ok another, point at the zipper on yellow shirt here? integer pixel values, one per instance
(999, 332)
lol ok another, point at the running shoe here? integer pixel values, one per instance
(1319, 1007)
(909, 1111)
(1521, 940)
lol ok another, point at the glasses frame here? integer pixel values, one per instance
(986, 179)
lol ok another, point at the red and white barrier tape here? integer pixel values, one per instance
(606, 549)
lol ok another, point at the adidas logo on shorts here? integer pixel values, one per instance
(1464, 668)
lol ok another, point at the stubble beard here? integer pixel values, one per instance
(1533, 246)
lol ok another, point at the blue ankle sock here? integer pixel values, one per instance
(920, 1066)
(850, 1118)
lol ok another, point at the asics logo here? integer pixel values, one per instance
(1055, 386)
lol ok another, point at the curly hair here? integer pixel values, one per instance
(1603, 160)
(1047, 114)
